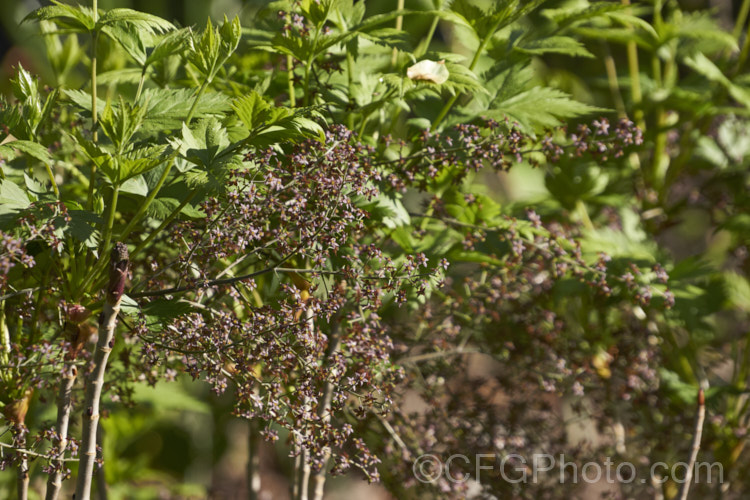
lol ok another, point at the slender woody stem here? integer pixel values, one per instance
(304, 462)
(696, 445)
(94, 115)
(54, 484)
(334, 342)
(118, 268)
(253, 460)
(23, 477)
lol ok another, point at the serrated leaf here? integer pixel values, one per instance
(540, 107)
(252, 110)
(172, 43)
(141, 20)
(82, 225)
(564, 45)
(82, 99)
(77, 19)
(704, 66)
(121, 122)
(139, 161)
(30, 148)
(167, 108)
(131, 37)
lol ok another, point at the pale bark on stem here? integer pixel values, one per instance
(295, 481)
(253, 460)
(334, 341)
(101, 479)
(303, 463)
(118, 268)
(23, 478)
(304, 457)
(54, 484)
(695, 447)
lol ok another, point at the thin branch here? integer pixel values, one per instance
(118, 268)
(33, 453)
(20, 292)
(23, 477)
(304, 457)
(253, 460)
(334, 342)
(696, 445)
(64, 405)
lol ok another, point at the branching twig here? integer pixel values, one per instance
(118, 267)
(696, 445)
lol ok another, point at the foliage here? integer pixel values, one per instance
(314, 211)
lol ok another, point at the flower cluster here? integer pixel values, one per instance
(516, 311)
(468, 148)
(306, 346)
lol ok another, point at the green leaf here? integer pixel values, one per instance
(207, 145)
(172, 43)
(140, 20)
(131, 37)
(738, 291)
(33, 149)
(140, 160)
(702, 65)
(12, 197)
(102, 158)
(120, 123)
(540, 107)
(82, 99)
(167, 108)
(252, 110)
(554, 45)
(76, 19)
(209, 52)
(81, 225)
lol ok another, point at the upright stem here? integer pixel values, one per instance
(107, 233)
(253, 460)
(334, 342)
(741, 18)
(118, 268)
(101, 480)
(304, 457)
(399, 26)
(614, 86)
(23, 477)
(425, 44)
(308, 68)
(635, 79)
(4, 341)
(94, 112)
(54, 484)
(290, 80)
(140, 84)
(52, 180)
(474, 61)
(695, 447)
